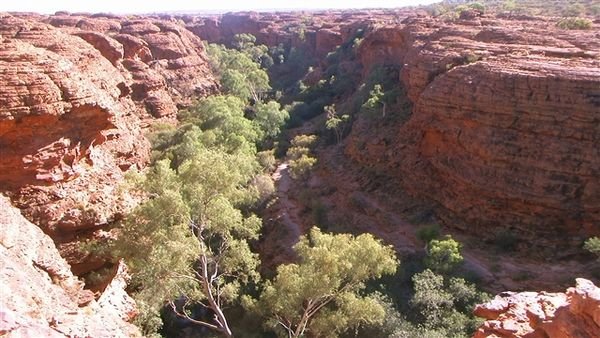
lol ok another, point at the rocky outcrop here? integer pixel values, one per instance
(574, 314)
(77, 94)
(316, 33)
(40, 297)
(504, 133)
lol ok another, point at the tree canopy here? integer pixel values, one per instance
(239, 74)
(322, 292)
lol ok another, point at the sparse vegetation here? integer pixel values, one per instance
(575, 23)
(450, 9)
(428, 232)
(336, 123)
(593, 245)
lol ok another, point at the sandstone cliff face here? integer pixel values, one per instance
(76, 97)
(574, 314)
(316, 33)
(40, 297)
(505, 130)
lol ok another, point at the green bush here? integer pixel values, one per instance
(306, 141)
(575, 23)
(593, 245)
(299, 168)
(478, 6)
(428, 232)
(443, 255)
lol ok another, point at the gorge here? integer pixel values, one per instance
(491, 130)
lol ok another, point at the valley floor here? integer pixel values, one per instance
(352, 199)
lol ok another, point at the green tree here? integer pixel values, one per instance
(222, 121)
(593, 245)
(243, 41)
(322, 292)
(270, 118)
(443, 255)
(190, 238)
(444, 306)
(239, 74)
(336, 123)
(246, 43)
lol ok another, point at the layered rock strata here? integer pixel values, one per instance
(77, 94)
(505, 126)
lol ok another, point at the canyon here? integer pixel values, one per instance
(503, 135)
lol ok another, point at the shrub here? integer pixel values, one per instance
(428, 232)
(575, 23)
(478, 6)
(266, 159)
(443, 255)
(265, 187)
(593, 245)
(319, 214)
(306, 141)
(300, 167)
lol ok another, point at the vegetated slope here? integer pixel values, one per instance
(504, 133)
(526, 7)
(76, 96)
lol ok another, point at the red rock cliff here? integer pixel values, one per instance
(76, 95)
(40, 297)
(316, 33)
(505, 126)
(574, 314)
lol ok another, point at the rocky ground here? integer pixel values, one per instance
(40, 297)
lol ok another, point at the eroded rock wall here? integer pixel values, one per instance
(574, 314)
(77, 95)
(40, 297)
(505, 125)
(315, 33)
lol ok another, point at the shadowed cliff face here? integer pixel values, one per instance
(40, 297)
(315, 33)
(505, 130)
(77, 94)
